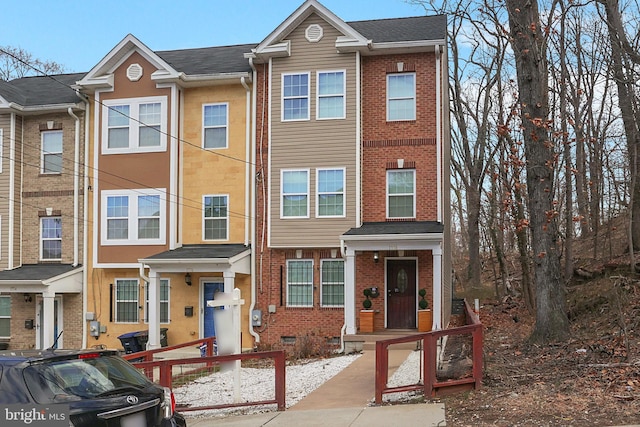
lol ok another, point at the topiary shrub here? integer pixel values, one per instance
(367, 302)
(423, 303)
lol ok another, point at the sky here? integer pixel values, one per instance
(78, 34)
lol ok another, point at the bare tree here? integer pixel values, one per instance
(16, 62)
(530, 51)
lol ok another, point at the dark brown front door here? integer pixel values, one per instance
(401, 294)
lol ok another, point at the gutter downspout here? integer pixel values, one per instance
(12, 183)
(85, 202)
(251, 182)
(437, 290)
(76, 183)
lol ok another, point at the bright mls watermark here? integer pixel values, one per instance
(34, 415)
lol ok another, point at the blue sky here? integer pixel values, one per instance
(78, 34)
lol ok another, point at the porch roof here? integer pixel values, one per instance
(395, 235)
(396, 227)
(202, 258)
(60, 278)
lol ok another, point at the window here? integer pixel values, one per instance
(401, 96)
(134, 125)
(295, 96)
(216, 217)
(133, 217)
(401, 186)
(215, 124)
(51, 238)
(51, 152)
(295, 194)
(300, 283)
(164, 301)
(5, 316)
(126, 300)
(332, 283)
(330, 188)
(330, 102)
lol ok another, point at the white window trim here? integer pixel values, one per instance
(42, 239)
(413, 194)
(51, 153)
(226, 126)
(134, 125)
(133, 217)
(308, 97)
(343, 94)
(282, 173)
(288, 304)
(414, 97)
(205, 218)
(318, 194)
(115, 301)
(7, 317)
(322, 261)
(168, 302)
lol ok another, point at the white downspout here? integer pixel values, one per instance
(76, 183)
(439, 135)
(12, 183)
(252, 188)
(85, 216)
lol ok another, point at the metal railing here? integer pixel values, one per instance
(430, 385)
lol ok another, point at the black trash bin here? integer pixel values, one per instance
(143, 338)
(130, 342)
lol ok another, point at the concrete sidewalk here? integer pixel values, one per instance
(343, 401)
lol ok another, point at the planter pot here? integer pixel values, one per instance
(425, 320)
(366, 321)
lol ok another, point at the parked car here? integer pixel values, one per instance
(99, 387)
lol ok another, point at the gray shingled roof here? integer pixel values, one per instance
(209, 60)
(41, 90)
(396, 227)
(403, 29)
(37, 272)
(201, 252)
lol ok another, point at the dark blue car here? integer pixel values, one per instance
(98, 386)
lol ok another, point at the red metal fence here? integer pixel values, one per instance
(430, 385)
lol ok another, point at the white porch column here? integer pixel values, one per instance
(154, 310)
(48, 319)
(350, 291)
(229, 281)
(437, 288)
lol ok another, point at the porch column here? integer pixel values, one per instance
(229, 281)
(47, 321)
(350, 292)
(154, 310)
(436, 253)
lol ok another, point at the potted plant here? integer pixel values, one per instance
(366, 314)
(425, 318)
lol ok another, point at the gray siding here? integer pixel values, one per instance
(5, 128)
(314, 143)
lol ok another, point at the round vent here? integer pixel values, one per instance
(313, 33)
(134, 72)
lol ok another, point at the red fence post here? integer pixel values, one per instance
(279, 360)
(477, 356)
(382, 371)
(165, 374)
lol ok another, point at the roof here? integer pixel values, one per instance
(33, 272)
(201, 252)
(209, 60)
(396, 227)
(403, 29)
(41, 90)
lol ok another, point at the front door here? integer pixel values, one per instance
(209, 289)
(57, 322)
(401, 294)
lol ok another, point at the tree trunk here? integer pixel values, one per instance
(529, 48)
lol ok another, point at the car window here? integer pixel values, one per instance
(66, 380)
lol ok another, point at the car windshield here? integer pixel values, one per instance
(73, 379)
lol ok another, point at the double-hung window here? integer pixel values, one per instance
(51, 238)
(401, 96)
(295, 194)
(126, 300)
(51, 159)
(5, 316)
(401, 193)
(133, 217)
(300, 283)
(295, 96)
(216, 217)
(215, 125)
(164, 301)
(332, 283)
(330, 192)
(134, 125)
(330, 95)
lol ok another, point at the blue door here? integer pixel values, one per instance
(210, 288)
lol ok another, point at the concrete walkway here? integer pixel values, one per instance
(343, 401)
